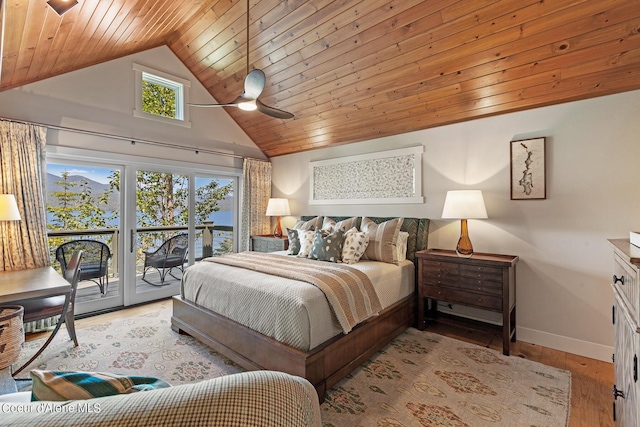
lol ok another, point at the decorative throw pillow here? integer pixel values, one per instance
(330, 225)
(401, 245)
(355, 243)
(312, 224)
(58, 385)
(306, 241)
(294, 242)
(383, 239)
(327, 246)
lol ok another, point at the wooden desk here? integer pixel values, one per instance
(32, 283)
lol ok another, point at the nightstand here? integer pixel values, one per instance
(269, 243)
(485, 281)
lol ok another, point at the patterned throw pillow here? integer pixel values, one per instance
(306, 241)
(312, 224)
(327, 246)
(294, 242)
(355, 243)
(330, 225)
(58, 385)
(383, 239)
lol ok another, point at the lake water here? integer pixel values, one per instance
(218, 218)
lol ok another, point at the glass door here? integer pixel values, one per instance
(159, 237)
(84, 212)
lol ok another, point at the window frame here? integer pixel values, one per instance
(181, 86)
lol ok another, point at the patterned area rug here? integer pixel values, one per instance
(143, 345)
(420, 379)
(425, 379)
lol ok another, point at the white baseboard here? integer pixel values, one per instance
(570, 345)
(533, 336)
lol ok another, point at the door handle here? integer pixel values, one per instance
(133, 235)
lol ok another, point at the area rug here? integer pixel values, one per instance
(420, 379)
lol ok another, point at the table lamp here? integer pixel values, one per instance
(463, 205)
(278, 207)
(8, 208)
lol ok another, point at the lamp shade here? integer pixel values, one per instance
(464, 204)
(8, 208)
(278, 207)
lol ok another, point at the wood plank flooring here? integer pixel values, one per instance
(591, 401)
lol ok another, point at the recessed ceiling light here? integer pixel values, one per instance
(61, 6)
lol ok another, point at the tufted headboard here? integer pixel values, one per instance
(418, 229)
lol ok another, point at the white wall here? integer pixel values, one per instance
(593, 151)
(101, 99)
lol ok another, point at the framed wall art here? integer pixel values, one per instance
(528, 175)
(385, 177)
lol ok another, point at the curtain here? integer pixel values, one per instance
(256, 190)
(22, 173)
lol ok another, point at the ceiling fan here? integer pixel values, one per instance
(253, 86)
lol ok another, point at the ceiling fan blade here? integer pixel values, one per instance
(232, 104)
(254, 84)
(273, 112)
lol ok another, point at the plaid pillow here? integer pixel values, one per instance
(58, 385)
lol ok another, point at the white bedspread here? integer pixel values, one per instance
(293, 312)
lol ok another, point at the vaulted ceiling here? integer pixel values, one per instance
(350, 70)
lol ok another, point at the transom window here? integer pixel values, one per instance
(160, 96)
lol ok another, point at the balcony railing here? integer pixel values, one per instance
(207, 240)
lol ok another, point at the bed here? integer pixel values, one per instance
(322, 359)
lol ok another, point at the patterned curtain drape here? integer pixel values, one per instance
(23, 243)
(256, 190)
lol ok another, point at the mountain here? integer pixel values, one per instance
(97, 189)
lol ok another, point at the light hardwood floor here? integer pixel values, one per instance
(591, 380)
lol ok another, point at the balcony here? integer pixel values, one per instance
(210, 240)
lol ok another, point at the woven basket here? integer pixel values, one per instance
(11, 334)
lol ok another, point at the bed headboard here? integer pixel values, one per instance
(418, 229)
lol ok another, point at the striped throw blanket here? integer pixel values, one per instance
(349, 291)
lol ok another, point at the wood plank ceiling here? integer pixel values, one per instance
(350, 70)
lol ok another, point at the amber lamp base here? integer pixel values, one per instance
(464, 248)
(278, 231)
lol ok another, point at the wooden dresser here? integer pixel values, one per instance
(269, 243)
(626, 326)
(486, 281)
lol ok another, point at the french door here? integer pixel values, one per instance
(180, 217)
(83, 202)
(148, 205)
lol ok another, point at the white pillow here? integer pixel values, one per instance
(401, 245)
(312, 224)
(355, 243)
(330, 224)
(306, 241)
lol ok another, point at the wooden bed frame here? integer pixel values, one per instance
(327, 363)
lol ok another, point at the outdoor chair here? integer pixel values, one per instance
(61, 305)
(95, 260)
(171, 254)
